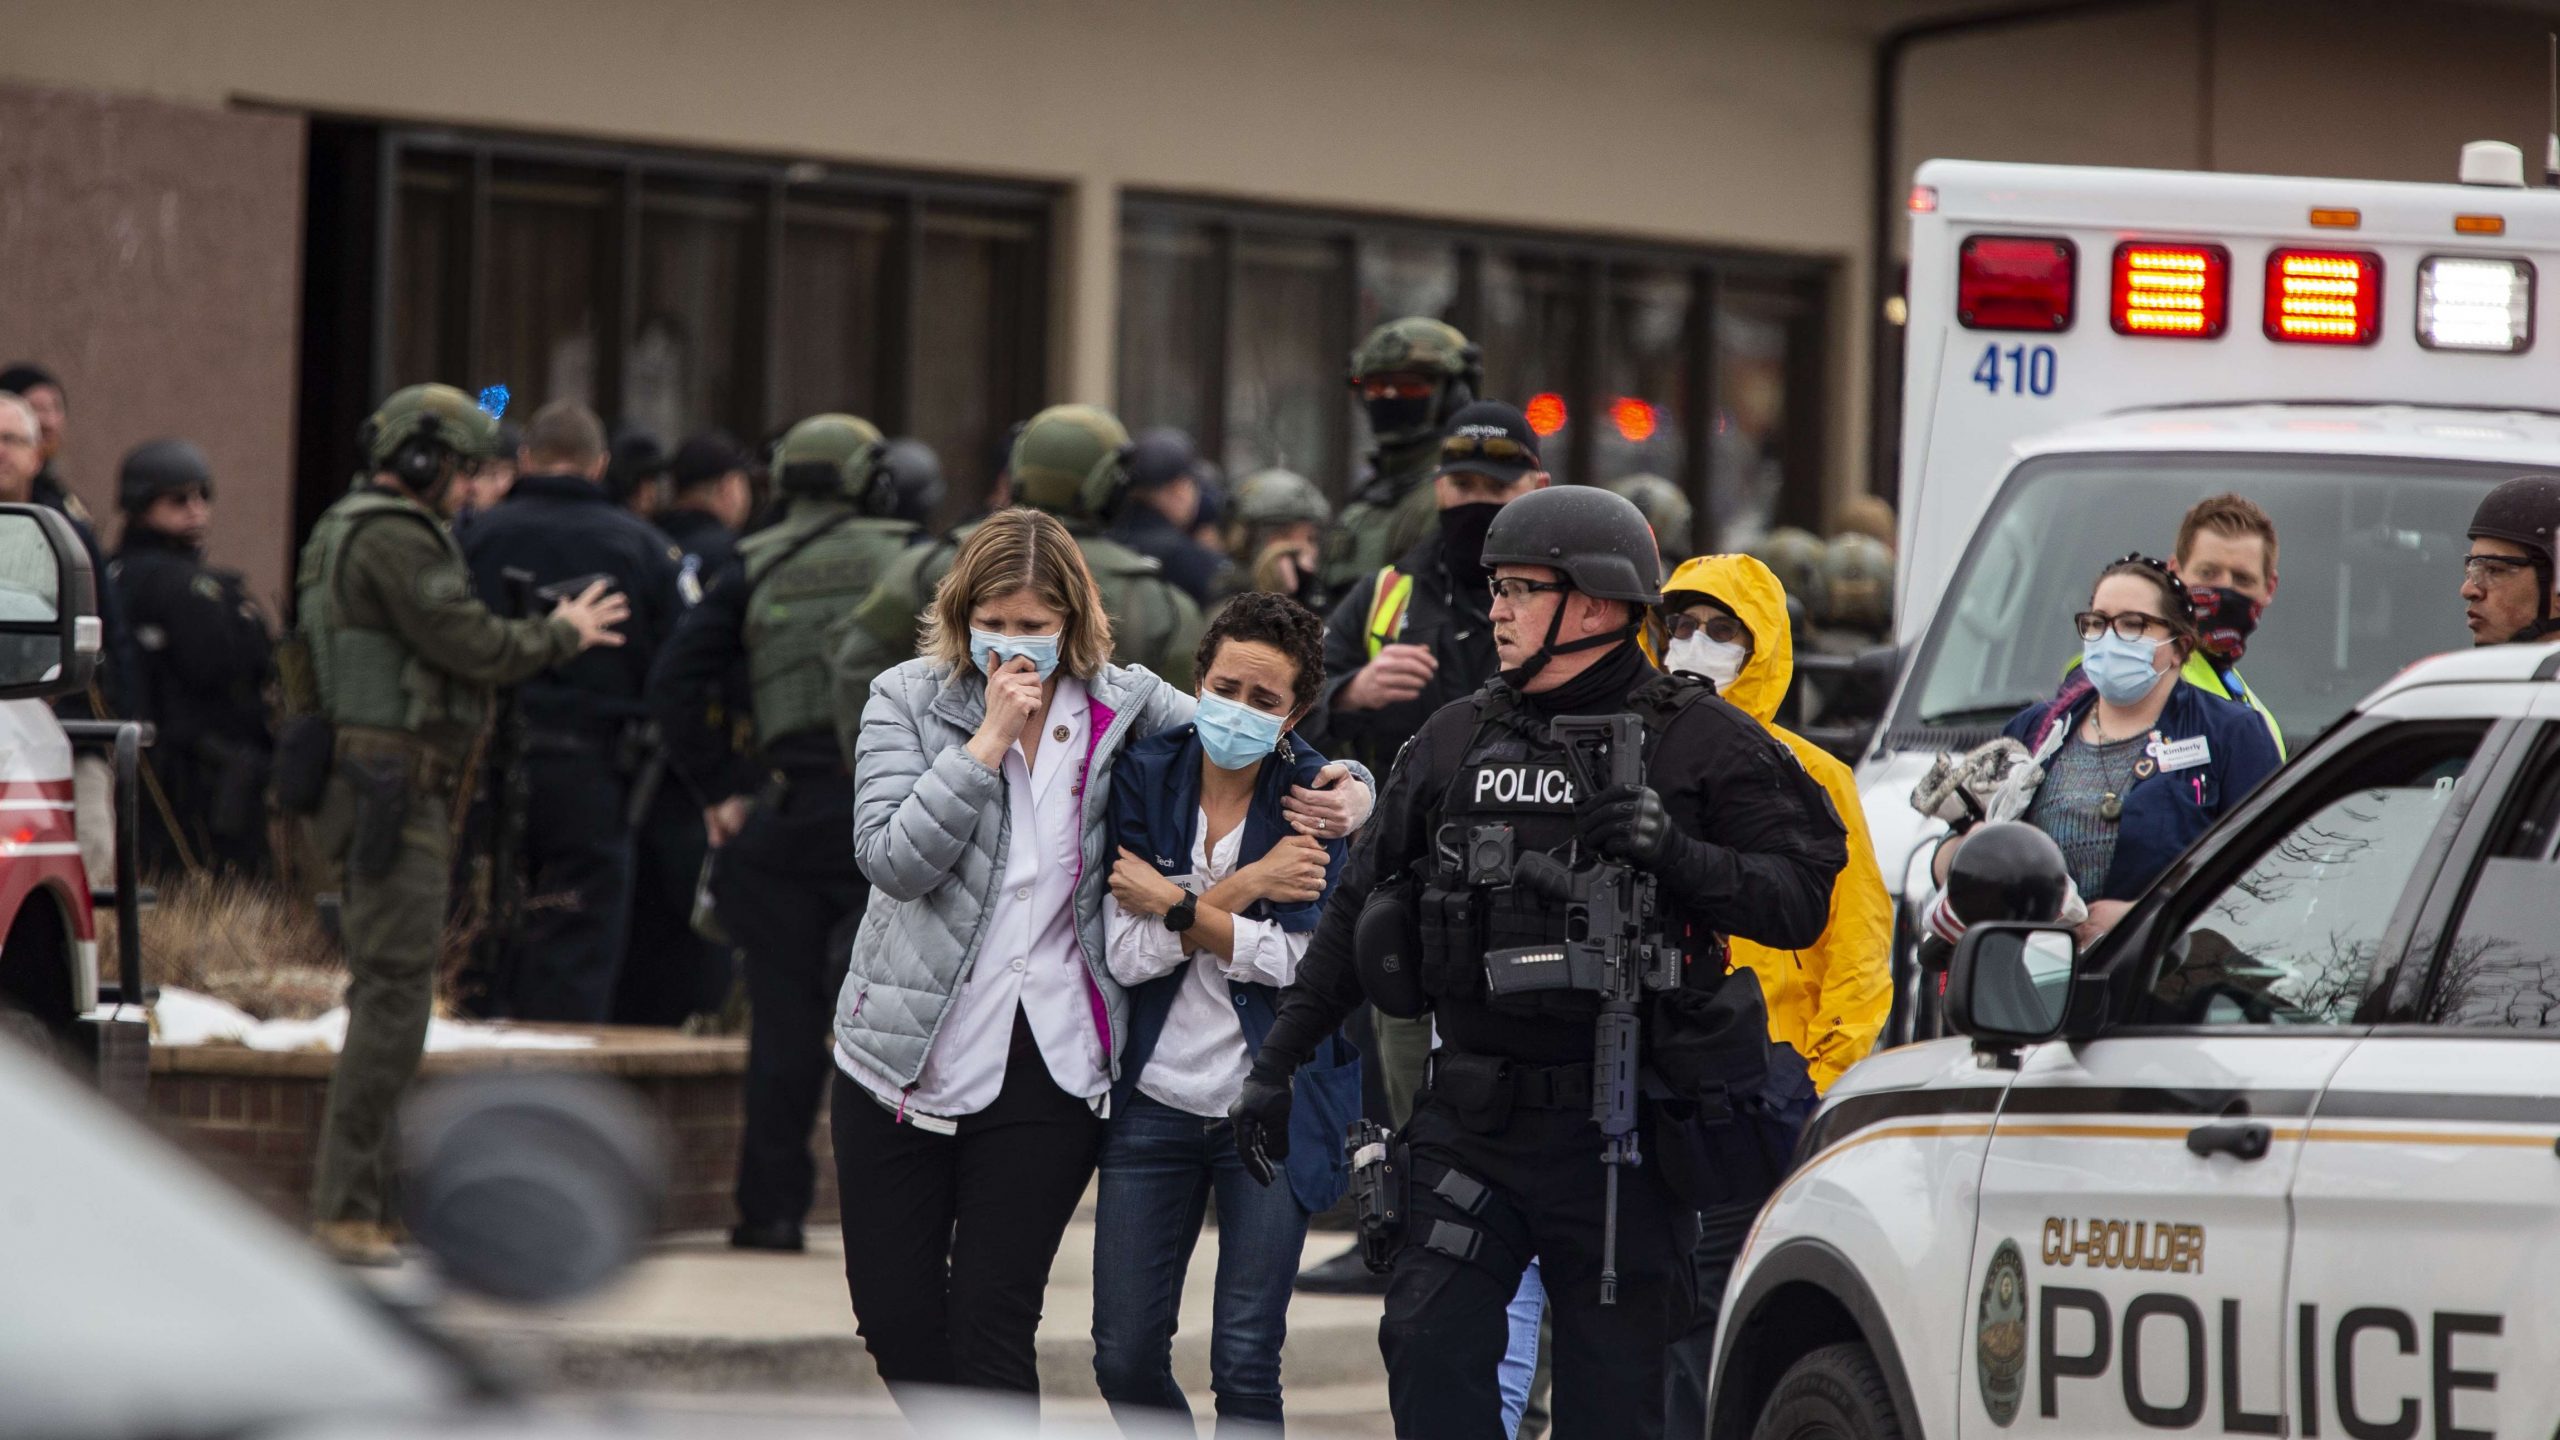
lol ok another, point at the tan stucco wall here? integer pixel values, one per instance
(150, 257)
(2372, 89)
(1727, 121)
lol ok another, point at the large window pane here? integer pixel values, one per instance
(1285, 358)
(1402, 275)
(1532, 328)
(1747, 463)
(832, 277)
(1644, 375)
(1168, 324)
(975, 371)
(543, 279)
(424, 276)
(681, 362)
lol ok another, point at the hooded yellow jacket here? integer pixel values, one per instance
(1828, 1000)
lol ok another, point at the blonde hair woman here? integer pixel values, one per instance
(979, 1029)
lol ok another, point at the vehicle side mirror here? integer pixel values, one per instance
(49, 631)
(2010, 983)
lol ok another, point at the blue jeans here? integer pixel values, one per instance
(1159, 1166)
(1520, 1358)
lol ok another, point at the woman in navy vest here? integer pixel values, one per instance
(1215, 898)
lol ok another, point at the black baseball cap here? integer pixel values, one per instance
(1489, 438)
(704, 459)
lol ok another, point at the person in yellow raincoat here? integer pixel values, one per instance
(1725, 617)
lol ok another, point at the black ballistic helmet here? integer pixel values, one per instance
(2526, 512)
(2008, 871)
(160, 467)
(1597, 540)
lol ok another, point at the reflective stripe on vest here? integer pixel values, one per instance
(1388, 601)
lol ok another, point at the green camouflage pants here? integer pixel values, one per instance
(393, 928)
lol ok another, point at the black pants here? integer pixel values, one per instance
(788, 893)
(948, 1239)
(669, 973)
(1445, 1326)
(1720, 1236)
(577, 897)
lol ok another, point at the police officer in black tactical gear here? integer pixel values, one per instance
(206, 656)
(557, 532)
(670, 973)
(780, 815)
(1709, 828)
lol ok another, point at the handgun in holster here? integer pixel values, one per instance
(1378, 1184)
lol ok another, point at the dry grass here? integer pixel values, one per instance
(258, 946)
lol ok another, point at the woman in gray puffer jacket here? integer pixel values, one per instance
(979, 1028)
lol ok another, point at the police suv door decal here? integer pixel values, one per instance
(2425, 1297)
(2151, 1233)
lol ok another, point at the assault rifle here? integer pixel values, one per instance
(510, 798)
(1613, 948)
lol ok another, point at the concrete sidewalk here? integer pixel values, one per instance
(695, 1316)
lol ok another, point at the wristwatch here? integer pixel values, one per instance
(1185, 912)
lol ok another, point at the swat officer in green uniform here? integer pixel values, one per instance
(1072, 461)
(783, 878)
(400, 660)
(1412, 377)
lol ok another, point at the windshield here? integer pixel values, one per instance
(2369, 560)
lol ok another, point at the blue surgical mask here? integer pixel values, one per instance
(1236, 736)
(989, 650)
(2120, 668)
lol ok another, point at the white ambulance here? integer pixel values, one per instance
(2274, 1158)
(2091, 351)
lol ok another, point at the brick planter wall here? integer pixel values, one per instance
(254, 1115)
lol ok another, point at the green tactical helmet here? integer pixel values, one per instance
(1280, 497)
(1418, 345)
(1665, 509)
(1798, 558)
(426, 415)
(1857, 573)
(846, 446)
(1067, 461)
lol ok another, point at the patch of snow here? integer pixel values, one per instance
(184, 1017)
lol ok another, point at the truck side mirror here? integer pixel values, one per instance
(49, 632)
(2010, 983)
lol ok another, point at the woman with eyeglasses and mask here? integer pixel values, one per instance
(2137, 762)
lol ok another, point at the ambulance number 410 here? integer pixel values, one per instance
(2019, 369)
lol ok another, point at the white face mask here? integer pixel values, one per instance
(1720, 661)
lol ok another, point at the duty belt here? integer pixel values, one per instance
(1546, 1087)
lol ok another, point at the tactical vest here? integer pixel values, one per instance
(366, 677)
(1147, 611)
(802, 576)
(1391, 515)
(1389, 599)
(1511, 793)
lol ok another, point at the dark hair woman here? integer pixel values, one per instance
(1213, 902)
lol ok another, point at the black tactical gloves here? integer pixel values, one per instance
(1261, 1118)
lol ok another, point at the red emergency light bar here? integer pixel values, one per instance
(2178, 291)
(2324, 297)
(2014, 282)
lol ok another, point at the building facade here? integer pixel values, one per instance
(1670, 224)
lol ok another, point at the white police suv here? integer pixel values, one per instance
(2276, 1157)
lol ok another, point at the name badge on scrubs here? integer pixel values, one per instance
(2181, 754)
